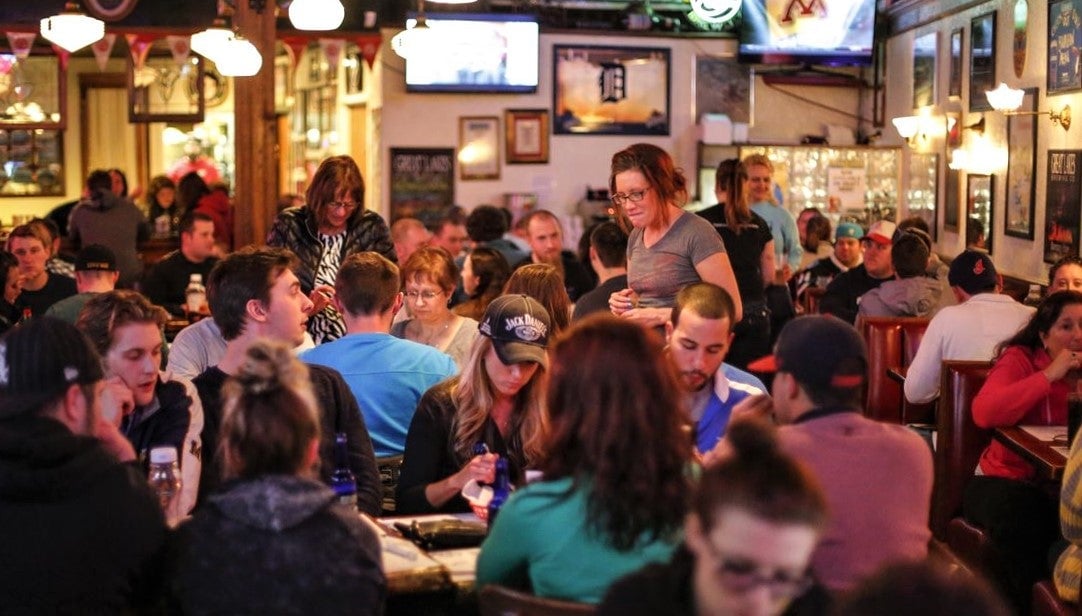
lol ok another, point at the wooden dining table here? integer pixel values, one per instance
(1045, 447)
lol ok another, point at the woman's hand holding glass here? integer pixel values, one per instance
(481, 468)
(1064, 361)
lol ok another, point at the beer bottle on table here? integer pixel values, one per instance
(195, 295)
(501, 491)
(343, 482)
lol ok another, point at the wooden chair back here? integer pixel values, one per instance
(497, 600)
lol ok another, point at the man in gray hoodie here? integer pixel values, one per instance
(911, 293)
(112, 221)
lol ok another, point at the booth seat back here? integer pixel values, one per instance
(959, 442)
(892, 343)
(497, 600)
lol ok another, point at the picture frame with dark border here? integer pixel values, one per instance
(923, 192)
(479, 148)
(982, 60)
(980, 198)
(723, 85)
(1021, 203)
(1064, 26)
(1064, 202)
(609, 90)
(951, 204)
(954, 87)
(924, 69)
(526, 136)
(422, 182)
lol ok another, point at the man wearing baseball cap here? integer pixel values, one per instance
(877, 476)
(81, 530)
(842, 296)
(969, 330)
(95, 272)
(846, 255)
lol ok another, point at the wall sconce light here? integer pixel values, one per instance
(1007, 101)
(72, 29)
(907, 127)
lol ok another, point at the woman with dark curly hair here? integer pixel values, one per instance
(543, 282)
(484, 272)
(616, 469)
(331, 226)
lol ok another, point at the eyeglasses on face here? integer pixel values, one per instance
(633, 196)
(345, 206)
(739, 576)
(427, 296)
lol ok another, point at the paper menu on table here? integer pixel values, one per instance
(399, 555)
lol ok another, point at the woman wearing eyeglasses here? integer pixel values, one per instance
(331, 226)
(667, 248)
(428, 280)
(616, 466)
(754, 522)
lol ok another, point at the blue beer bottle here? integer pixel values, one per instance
(501, 490)
(343, 482)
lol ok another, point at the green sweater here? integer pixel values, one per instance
(541, 542)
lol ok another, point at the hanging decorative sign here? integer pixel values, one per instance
(332, 48)
(296, 46)
(180, 46)
(103, 49)
(138, 45)
(21, 43)
(369, 45)
(1021, 19)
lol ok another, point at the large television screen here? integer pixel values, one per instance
(476, 52)
(824, 32)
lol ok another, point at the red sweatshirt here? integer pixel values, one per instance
(1017, 392)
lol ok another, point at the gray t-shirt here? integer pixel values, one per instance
(659, 272)
(458, 347)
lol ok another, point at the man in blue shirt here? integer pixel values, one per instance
(699, 335)
(387, 375)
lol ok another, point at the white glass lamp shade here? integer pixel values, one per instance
(414, 41)
(71, 29)
(907, 126)
(1004, 98)
(316, 14)
(239, 58)
(210, 42)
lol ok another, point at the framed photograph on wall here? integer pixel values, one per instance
(954, 88)
(1021, 166)
(923, 190)
(723, 85)
(924, 54)
(951, 218)
(1064, 195)
(610, 90)
(422, 182)
(479, 148)
(982, 60)
(980, 195)
(1064, 39)
(526, 136)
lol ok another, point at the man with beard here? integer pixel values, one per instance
(699, 335)
(547, 246)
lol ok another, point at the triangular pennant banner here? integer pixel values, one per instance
(332, 48)
(63, 55)
(21, 43)
(138, 45)
(369, 46)
(103, 49)
(180, 46)
(296, 46)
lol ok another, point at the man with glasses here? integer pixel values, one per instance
(877, 476)
(842, 297)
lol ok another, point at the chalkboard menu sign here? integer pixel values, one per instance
(422, 182)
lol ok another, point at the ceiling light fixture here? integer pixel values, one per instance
(72, 29)
(316, 14)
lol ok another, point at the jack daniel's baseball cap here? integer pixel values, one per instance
(519, 327)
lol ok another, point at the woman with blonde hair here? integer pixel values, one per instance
(494, 409)
(428, 280)
(544, 283)
(275, 539)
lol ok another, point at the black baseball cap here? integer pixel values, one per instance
(95, 258)
(820, 351)
(973, 272)
(39, 360)
(519, 327)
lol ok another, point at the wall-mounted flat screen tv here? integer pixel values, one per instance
(477, 52)
(822, 32)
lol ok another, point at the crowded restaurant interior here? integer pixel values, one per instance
(325, 306)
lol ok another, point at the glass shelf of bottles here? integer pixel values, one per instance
(803, 175)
